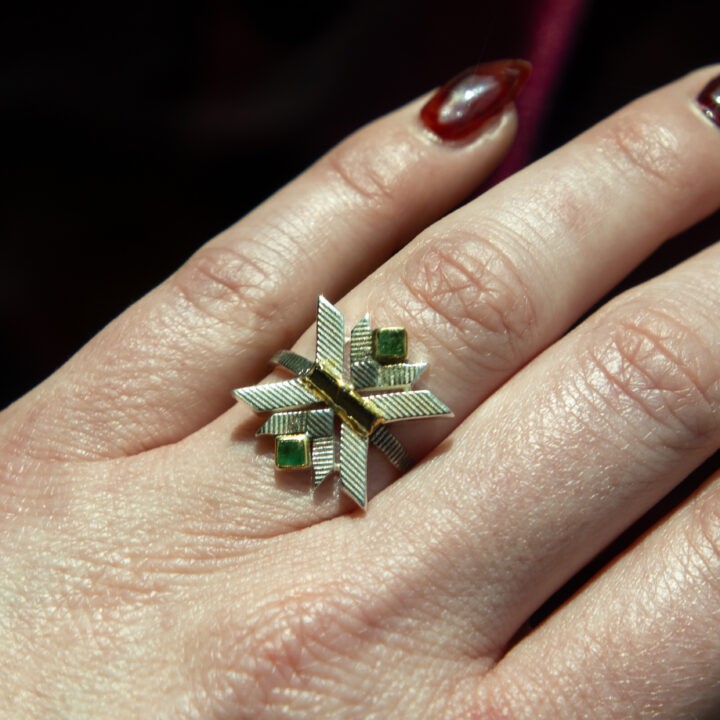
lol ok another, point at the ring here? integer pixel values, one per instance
(303, 410)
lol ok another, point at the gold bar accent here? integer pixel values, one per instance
(352, 408)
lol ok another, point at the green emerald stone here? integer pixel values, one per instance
(390, 344)
(292, 451)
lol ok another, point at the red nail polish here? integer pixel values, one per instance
(463, 106)
(709, 100)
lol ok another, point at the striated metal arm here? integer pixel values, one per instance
(323, 458)
(274, 396)
(353, 465)
(316, 423)
(393, 449)
(369, 374)
(408, 405)
(293, 362)
(361, 340)
(330, 346)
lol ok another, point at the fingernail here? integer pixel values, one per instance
(462, 107)
(709, 100)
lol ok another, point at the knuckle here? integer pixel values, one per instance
(286, 647)
(655, 363)
(471, 296)
(364, 171)
(640, 145)
(222, 284)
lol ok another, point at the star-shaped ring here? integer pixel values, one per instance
(374, 391)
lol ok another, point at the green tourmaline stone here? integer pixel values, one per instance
(292, 451)
(390, 344)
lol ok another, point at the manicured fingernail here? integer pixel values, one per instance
(463, 106)
(709, 100)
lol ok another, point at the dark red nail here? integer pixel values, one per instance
(463, 106)
(709, 100)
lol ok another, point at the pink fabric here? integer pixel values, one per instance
(553, 32)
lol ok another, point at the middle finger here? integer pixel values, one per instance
(484, 290)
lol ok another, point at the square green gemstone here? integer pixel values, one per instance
(390, 344)
(292, 451)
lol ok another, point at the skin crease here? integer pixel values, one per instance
(154, 565)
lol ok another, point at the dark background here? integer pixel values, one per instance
(133, 133)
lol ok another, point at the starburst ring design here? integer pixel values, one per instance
(371, 392)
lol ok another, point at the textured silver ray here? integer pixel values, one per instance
(353, 465)
(361, 340)
(408, 405)
(293, 362)
(330, 350)
(394, 450)
(287, 394)
(368, 374)
(323, 458)
(326, 392)
(316, 423)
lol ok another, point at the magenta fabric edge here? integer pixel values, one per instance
(551, 43)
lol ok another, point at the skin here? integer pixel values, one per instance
(155, 565)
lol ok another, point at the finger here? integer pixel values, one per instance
(568, 453)
(488, 287)
(641, 641)
(166, 367)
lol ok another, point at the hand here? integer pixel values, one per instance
(155, 566)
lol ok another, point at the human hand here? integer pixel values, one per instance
(155, 566)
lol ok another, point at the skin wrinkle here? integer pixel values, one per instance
(609, 380)
(620, 444)
(642, 146)
(220, 282)
(374, 175)
(278, 648)
(664, 366)
(373, 615)
(629, 424)
(695, 389)
(475, 296)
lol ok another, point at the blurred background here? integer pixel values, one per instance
(131, 133)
